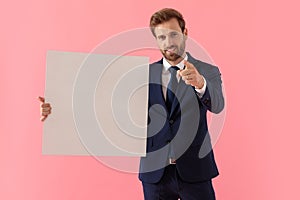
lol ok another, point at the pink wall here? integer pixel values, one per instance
(254, 43)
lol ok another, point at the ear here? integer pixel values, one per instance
(185, 33)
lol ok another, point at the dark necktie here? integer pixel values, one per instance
(172, 86)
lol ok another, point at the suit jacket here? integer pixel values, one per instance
(184, 128)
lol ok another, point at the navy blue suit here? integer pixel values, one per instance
(184, 127)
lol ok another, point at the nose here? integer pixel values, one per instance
(168, 42)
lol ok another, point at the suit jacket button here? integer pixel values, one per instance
(171, 121)
(206, 100)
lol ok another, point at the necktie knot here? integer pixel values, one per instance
(173, 69)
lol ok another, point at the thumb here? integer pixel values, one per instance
(42, 99)
(43, 118)
(179, 72)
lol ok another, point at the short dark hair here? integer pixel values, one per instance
(165, 15)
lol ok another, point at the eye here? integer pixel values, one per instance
(174, 34)
(161, 37)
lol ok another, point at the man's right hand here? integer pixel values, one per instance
(45, 109)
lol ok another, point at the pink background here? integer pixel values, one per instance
(255, 44)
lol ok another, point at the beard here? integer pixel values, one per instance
(174, 52)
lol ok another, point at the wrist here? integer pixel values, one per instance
(200, 84)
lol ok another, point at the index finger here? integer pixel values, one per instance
(188, 65)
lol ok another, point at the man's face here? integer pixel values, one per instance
(171, 40)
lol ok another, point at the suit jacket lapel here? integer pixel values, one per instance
(156, 84)
(180, 91)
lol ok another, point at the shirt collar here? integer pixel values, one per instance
(167, 65)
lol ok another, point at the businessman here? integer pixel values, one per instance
(180, 162)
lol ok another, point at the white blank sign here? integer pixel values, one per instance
(99, 104)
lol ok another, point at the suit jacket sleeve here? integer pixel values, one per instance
(212, 98)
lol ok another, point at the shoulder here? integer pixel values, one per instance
(199, 63)
(203, 67)
(159, 62)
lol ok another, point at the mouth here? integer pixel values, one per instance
(171, 50)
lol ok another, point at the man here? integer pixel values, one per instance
(179, 161)
(180, 155)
